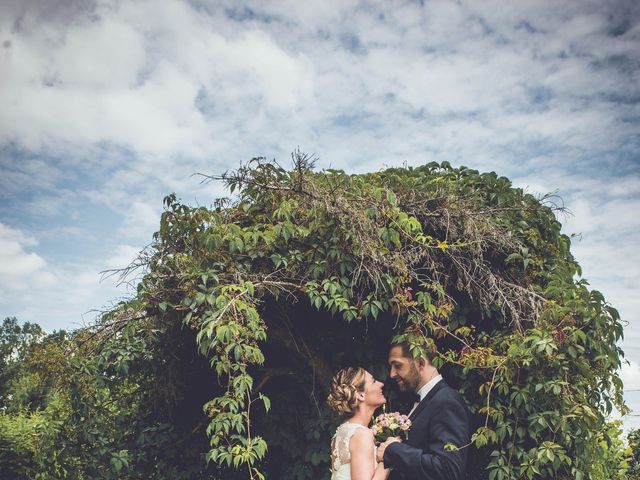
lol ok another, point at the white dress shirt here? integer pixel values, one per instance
(426, 388)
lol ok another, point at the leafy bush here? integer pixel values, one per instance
(458, 259)
(633, 441)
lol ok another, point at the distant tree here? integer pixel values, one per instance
(15, 342)
(15, 338)
(16, 432)
(633, 440)
(609, 456)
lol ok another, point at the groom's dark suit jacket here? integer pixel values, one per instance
(440, 418)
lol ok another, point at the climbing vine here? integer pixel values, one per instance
(456, 261)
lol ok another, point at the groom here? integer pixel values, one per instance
(438, 417)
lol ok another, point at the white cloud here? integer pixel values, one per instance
(122, 257)
(99, 56)
(32, 173)
(253, 65)
(141, 220)
(198, 83)
(68, 300)
(17, 266)
(133, 77)
(630, 374)
(53, 294)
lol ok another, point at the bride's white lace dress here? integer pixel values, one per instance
(340, 455)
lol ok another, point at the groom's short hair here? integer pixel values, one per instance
(406, 351)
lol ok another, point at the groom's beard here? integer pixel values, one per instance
(410, 382)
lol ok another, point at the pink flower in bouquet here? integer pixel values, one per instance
(390, 425)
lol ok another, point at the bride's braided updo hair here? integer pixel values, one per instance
(344, 386)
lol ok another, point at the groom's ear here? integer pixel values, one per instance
(422, 362)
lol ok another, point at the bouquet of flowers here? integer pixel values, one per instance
(390, 425)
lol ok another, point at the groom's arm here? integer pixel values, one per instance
(449, 425)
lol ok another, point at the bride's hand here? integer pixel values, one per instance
(384, 445)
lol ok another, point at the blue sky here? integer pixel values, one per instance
(107, 106)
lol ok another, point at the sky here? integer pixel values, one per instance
(107, 106)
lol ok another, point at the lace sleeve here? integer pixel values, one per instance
(340, 447)
(340, 453)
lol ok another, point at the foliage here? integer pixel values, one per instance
(609, 456)
(633, 440)
(104, 412)
(469, 264)
(15, 342)
(23, 393)
(247, 308)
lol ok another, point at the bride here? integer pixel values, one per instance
(355, 395)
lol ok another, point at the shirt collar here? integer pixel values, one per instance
(426, 388)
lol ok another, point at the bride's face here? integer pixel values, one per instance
(373, 391)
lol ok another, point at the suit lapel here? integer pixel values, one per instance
(436, 388)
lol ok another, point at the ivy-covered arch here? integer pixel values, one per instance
(303, 271)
